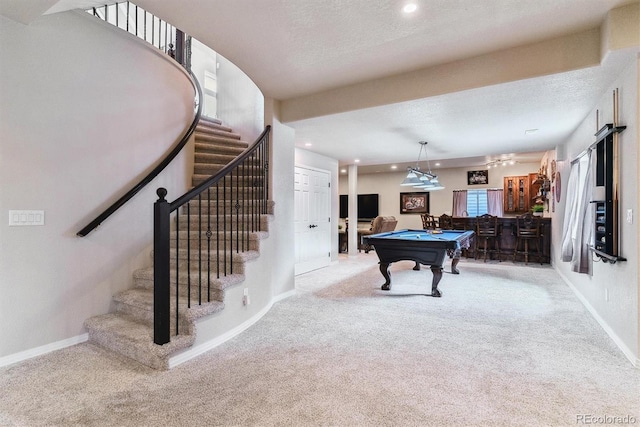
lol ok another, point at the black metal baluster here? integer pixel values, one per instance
(266, 172)
(208, 244)
(188, 239)
(200, 249)
(218, 230)
(240, 220)
(224, 224)
(237, 208)
(245, 235)
(252, 192)
(231, 226)
(265, 187)
(177, 268)
(261, 188)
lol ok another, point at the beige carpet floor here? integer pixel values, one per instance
(506, 345)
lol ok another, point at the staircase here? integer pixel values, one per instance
(129, 330)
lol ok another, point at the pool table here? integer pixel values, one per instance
(422, 246)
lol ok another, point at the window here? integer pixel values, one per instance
(477, 202)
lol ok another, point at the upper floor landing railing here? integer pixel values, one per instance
(137, 21)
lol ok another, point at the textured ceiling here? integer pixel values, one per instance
(292, 49)
(295, 50)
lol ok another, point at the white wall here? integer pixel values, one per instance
(387, 186)
(281, 231)
(619, 316)
(240, 102)
(85, 112)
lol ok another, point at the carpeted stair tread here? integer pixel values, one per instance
(143, 299)
(250, 235)
(126, 336)
(144, 277)
(235, 257)
(210, 158)
(213, 139)
(212, 121)
(219, 130)
(220, 148)
(213, 205)
(194, 222)
(249, 187)
(244, 191)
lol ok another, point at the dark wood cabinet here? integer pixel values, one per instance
(516, 194)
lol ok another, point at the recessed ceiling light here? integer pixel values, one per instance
(394, 167)
(308, 144)
(357, 160)
(410, 8)
(343, 170)
(437, 164)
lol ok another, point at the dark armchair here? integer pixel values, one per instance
(381, 224)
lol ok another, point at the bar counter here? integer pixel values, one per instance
(507, 227)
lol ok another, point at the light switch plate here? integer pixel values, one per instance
(20, 218)
(630, 216)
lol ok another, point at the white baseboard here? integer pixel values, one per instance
(211, 344)
(38, 351)
(635, 361)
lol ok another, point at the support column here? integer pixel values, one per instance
(353, 210)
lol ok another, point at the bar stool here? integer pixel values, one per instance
(445, 222)
(528, 230)
(429, 222)
(487, 232)
(461, 223)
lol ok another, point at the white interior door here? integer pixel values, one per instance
(312, 219)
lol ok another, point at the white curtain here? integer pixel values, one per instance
(459, 203)
(578, 216)
(495, 202)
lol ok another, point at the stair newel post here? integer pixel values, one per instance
(161, 262)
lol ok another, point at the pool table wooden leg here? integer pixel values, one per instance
(455, 259)
(417, 266)
(437, 275)
(454, 266)
(384, 269)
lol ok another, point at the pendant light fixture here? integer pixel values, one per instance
(422, 180)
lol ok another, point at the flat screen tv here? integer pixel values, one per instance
(367, 206)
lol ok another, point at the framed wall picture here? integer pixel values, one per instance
(417, 203)
(477, 177)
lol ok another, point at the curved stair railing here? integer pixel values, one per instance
(159, 31)
(213, 226)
